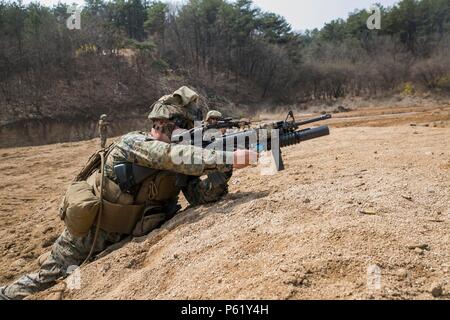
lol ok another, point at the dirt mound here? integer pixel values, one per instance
(362, 197)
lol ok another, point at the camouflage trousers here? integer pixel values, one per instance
(67, 251)
(103, 139)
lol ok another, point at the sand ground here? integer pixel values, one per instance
(376, 192)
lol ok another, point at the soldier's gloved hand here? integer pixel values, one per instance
(244, 158)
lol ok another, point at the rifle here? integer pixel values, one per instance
(281, 134)
(270, 137)
(226, 123)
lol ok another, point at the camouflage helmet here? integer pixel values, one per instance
(213, 114)
(181, 104)
(103, 116)
(161, 110)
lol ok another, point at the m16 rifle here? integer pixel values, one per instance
(226, 123)
(130, 175)
(287, 131)
(269, 137)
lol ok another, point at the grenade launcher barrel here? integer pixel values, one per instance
(291, 138)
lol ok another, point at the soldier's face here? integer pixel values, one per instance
(162, 130)
(213, 120)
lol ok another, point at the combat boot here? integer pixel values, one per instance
(42, 258)
(3, 296)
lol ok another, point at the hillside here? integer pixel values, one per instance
(127, 54)
(372, 193)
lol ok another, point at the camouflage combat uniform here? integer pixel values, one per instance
(212, 134)
(103, 131)
(213, 115)
(138, 148)
(211, 118)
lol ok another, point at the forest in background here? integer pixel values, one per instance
(129, 52)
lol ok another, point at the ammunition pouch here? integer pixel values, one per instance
(120, 218)
(81, 205)
(152, 218)
(79, 208)
(120, 213)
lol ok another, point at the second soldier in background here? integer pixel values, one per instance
(103, 130)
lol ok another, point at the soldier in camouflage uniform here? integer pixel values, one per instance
(103, 130)
(212, 118)
(152, 150)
